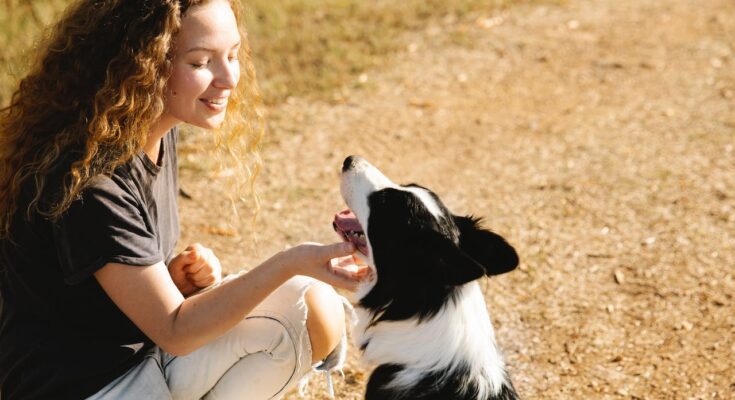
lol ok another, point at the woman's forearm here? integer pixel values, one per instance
(204, 317)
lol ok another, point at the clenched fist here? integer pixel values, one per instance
(195, 268)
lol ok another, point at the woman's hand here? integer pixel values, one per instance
(333, 263)
(195, 268)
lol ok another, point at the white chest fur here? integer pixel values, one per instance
(460, 334)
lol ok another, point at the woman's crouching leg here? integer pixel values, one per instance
(265, 355)
(325, 320)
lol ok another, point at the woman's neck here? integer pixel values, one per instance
(152, 146)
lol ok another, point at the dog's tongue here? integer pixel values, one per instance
(349, 228)
(347, 221)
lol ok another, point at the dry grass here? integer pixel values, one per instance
(20, 25)
(310, 48)
(301, 47)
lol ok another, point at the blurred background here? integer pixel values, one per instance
(301, 47)
(596, 135)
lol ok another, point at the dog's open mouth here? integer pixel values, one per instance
(349, 228)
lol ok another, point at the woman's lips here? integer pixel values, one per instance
(216, 104)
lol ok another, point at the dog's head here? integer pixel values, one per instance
(418, 250)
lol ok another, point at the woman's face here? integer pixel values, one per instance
(205, 65)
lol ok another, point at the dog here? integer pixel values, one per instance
(421, 317)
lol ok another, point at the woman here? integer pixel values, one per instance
(97, 305)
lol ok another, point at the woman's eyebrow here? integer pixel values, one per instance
(201, 48)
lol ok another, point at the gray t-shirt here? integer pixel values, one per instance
(60, 334)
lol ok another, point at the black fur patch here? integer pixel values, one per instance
(485, 246)
(405, 239)
(436, 386)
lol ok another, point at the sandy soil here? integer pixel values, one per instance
(597, 136)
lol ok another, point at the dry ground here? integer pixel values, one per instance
(597, 136)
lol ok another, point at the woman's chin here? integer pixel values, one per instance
(209, 123)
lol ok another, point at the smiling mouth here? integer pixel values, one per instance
(215, 103)
(348, 227)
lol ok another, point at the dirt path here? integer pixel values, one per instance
(597, 136)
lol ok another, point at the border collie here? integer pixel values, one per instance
(421, 317)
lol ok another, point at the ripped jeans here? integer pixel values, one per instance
(262, 357)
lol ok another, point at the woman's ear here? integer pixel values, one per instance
(486, 247)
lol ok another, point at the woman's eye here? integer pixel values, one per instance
(199, 65)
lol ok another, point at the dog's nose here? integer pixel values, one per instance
(348, 163)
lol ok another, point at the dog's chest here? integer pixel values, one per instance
(460, 330)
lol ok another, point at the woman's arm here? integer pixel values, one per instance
(148, 296)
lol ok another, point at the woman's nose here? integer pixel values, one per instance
(227, 76)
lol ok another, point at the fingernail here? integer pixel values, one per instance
(347, 246)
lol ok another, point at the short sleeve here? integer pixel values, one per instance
(106, 225)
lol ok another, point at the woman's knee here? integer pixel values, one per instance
(325, 320)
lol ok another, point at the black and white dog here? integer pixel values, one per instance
(421, 315)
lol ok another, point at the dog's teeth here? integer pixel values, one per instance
(353, 234)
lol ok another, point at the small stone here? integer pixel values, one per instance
(488, 23)
(619, 277)
(683, 326)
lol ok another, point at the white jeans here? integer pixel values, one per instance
(262, 357)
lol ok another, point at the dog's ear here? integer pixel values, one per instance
(449, 264)
(486, 247)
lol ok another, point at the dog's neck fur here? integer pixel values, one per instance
(459, 335)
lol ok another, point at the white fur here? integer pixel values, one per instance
(357, 183)
(429, 202)
(460, 333)
(365, 286)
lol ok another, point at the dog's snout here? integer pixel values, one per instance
(349, 163)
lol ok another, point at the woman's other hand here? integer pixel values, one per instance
(195, 268)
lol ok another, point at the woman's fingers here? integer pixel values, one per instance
(340, 249)
(204, 268)
(351, 265)
(321, 253)
(203, 280)
(347, 273)
(339, 281)
(197, 266)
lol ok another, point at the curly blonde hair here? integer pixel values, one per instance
(95, 90)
